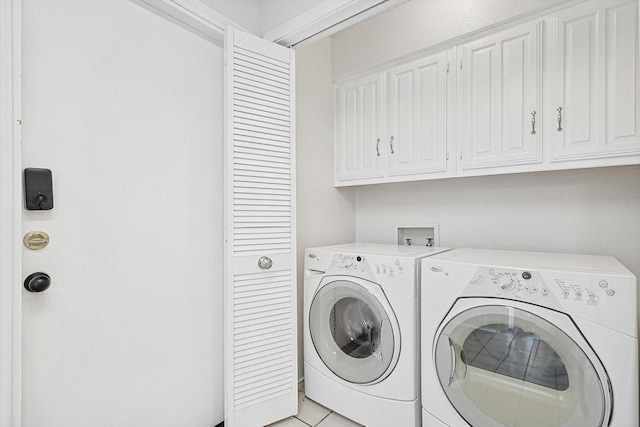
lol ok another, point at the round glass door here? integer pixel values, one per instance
(505, 366)
(352, 332)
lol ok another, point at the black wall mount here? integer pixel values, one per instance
(38, 189)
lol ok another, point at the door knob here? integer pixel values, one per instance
(265, 263)
(37, 282)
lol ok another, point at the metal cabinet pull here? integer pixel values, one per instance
(391, 144)
(559, 119)
(533, 122)
(378, 147)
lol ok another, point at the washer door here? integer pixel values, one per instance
(354, 330)
(519, 365)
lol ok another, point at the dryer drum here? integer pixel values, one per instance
(499, 353)
(517, 354)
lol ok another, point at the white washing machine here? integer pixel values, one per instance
(361, 348)
(523, 339)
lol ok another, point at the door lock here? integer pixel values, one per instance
(36, 240)
(38, 189)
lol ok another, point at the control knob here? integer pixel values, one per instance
(507, 284)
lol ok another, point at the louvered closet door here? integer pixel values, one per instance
(260, 344)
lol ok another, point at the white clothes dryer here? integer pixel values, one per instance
(523, 339)
(361, 348)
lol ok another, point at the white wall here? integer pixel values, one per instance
(590, 211)
(325, 215)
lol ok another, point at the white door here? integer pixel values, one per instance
(499, 99)
(125, 109)
(595, 82)
(261, 370)
(361, 146)
(418, 117)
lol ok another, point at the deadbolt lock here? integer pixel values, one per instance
(36, 240)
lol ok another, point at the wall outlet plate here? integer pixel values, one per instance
(417, 234)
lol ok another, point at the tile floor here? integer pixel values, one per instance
(312, 414)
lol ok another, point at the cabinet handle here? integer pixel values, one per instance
(533, 122)
(391, 144)
(378, 147)
(559, 119)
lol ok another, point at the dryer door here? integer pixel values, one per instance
(354, 330)
(506, 363)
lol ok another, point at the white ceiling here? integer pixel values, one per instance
(286, 22)
(262, 16)
(290, 22)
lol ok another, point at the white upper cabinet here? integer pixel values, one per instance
(594, 111)
(359, 129)
(417, 118)
(560, 91)
(393, 126)
(499, 86)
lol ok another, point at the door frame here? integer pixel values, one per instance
(10, 214)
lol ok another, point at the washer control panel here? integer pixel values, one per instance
(354, 264)
(346, 262)
(531, 286)
(389, 269)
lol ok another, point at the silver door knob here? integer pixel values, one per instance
(265, 263)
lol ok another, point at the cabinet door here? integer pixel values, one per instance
(359, 127)
(499, 98)
(595, 110)
(418, 117)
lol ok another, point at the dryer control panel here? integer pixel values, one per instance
(584, 295)
(553, 290)
(508, 283)
(588, 287)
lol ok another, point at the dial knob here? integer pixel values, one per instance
(507, 283)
